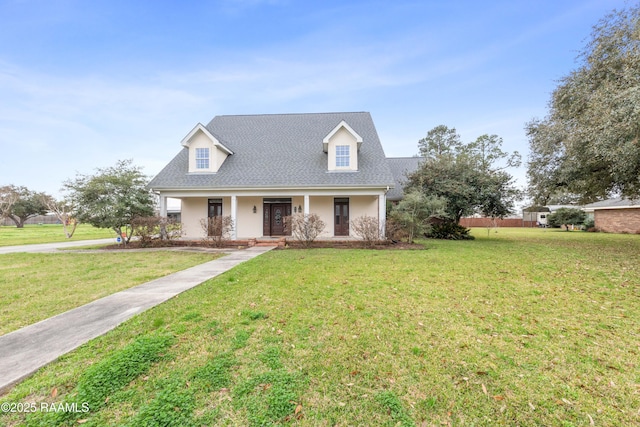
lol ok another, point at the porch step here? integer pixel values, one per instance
(280, 242)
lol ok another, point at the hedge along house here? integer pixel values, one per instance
(258, 169)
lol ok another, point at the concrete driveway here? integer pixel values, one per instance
(52, 247)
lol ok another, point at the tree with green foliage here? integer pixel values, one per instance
(470, 177)
(19, 204)
(111, 198)
(566, 217)
(415, 211)
(441, 141)
(589, 144)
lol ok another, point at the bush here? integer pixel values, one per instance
(217, 229)
(305, 228)
(146, 228)
(150, 228)
(566, 217)
(366, 228)
(415, 211)
(450, 231)
(589, 225)
(395, 231)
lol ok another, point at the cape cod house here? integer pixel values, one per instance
(258, 169)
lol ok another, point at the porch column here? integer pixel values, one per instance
(234, 217)
(163, 206)
(382, 214)
(306, 204)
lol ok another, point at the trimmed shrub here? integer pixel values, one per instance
(217, 229)
(305, 228)
(366, 227)
(449, 230)
(150, 228)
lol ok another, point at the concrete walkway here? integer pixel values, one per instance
(53, 247)
(24, 351)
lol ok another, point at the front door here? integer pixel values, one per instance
(274, 219)
(278, 212)
(341, 217)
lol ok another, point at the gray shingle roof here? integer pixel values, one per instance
(613, 203)
(281, 150)
(400, 168)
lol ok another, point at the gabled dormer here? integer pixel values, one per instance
(342, 145)
(206, 152)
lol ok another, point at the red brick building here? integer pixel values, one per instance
(616, 215)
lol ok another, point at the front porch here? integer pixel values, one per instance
(262, 216)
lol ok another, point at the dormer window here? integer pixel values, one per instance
(342, 156)
(206, 152)
(202, 158)
(342, 145)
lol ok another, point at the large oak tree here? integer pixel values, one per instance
(18, 203)
(589, 144)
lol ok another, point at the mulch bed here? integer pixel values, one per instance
(354, 245)
(290, 244)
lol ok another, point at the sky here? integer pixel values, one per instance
(84, 84)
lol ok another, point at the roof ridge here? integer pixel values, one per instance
(293, 114)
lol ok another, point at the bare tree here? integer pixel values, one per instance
(62, 211)
(367, 228)
(305, 228)
(150, 228)
(217, 229)
(8, 197)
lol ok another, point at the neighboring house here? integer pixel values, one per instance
(401, 168)
(258, 169)
(616, 215)
(536, 215)
(539, 214)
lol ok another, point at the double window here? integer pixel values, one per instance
(342, 156)
(202, 158)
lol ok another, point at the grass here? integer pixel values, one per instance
(518, 327)
(31, 234)
(37, 286)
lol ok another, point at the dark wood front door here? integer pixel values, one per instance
(278, 212)
(341, 217)
(274, 219)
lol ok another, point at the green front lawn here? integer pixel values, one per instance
(519, 327)
(31, 234)
(34, 287)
